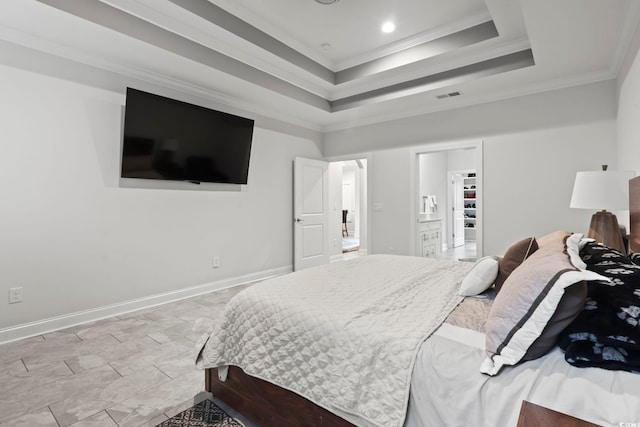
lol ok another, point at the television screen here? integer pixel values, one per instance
(168, 139)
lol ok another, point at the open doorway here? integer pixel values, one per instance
(348, 194)
(461, 241)
(448, 198)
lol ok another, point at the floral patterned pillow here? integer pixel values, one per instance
(612, 263)
(594, 253)
(607, 332)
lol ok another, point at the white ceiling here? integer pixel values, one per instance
(266, 56)
(352, 27)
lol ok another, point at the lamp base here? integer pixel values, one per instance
(604, 229)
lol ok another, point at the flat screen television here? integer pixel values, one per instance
(167, 139)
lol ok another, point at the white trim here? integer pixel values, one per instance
(26, 330)
(336, 258)
(629, 27)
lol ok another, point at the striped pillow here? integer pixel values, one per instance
(527, 315)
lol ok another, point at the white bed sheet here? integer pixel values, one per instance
(343, 335)
(447, 388)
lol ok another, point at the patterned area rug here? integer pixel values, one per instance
(203, 414)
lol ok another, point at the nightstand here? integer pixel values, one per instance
(532, 415)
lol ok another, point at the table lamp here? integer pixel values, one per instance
(604, 190)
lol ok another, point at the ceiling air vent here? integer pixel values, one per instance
(449, 95)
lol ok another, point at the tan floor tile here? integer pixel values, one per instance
(63, 351)
(35, 345)
(131, 315)
(85, 362)
(61, 335)
(101, 419)
(153, 403)
(21, 380)
(174, 333)
(109, 353)
(11, 368)
(195, 314)
(39, 418)
(168, 351)
(96, 400)
(139, 331)
(178, 366)
(13, 349)
(55, 391)
(113, 327)
(158, 346)
(154, 422)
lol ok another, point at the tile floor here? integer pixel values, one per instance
(461, 253)
(131, 370)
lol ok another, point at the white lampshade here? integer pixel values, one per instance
(601, 190)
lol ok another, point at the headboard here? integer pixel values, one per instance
(634, 214)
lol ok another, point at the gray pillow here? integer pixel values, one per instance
(529, 312)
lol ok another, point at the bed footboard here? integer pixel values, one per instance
(266, 404)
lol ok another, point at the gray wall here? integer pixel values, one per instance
(433, 179)
(75, 241)
(533, 146)
(628, 112)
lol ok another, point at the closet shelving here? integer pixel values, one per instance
(469, 188)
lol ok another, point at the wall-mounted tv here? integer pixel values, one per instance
(167, 139)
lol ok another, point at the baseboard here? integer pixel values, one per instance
(346, 255)
(26, 330)
(335, 258)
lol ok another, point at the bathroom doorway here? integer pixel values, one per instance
(445, 176)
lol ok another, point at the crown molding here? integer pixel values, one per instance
(469, 101)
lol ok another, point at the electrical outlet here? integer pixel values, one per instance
(15, 295)
(216, 262)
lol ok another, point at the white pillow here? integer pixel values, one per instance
(481, 277)
(573, 248)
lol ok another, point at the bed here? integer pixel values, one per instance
(387, 340)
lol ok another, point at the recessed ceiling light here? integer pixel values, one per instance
(327, 1)
(387, 27)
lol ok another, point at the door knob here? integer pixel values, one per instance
(299, 221)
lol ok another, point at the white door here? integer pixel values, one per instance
(457, 183)
(310, 213)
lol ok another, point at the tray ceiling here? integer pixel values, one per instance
(330, 66)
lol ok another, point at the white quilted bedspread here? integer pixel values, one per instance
(343, 335)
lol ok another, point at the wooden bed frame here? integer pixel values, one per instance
(266, 404)
(269, 405)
